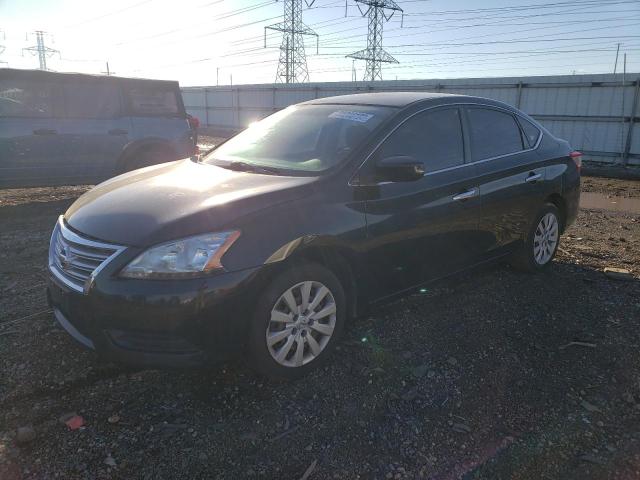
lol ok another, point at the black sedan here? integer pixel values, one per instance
(266, 247)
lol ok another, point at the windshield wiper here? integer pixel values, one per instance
(248, 167)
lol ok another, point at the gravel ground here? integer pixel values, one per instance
(611, 187)
(495, 374)
(207, 142)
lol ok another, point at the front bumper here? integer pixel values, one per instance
(154, 323)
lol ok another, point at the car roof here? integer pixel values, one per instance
(42, 75)
(402, 100)
(386, 99)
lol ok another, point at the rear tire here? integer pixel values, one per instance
(541, 243)
(147, 157)
(297, 322)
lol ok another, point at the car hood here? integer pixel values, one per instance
(175, 200)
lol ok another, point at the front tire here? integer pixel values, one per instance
(297, 322)
(541, 244)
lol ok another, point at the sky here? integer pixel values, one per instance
(204, 42)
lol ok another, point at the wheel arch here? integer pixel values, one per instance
(135, 147)
(338, 259)
(560, 203)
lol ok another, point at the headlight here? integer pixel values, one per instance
(187, 257)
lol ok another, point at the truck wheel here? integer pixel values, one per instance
(147, 157)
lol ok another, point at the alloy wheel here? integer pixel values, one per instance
(302, 322)
(545, 239)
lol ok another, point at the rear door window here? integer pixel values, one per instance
(493, 133)
(154, 101)
(91, 100)
(19, 98)
(433, 137)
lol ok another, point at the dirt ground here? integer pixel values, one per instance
(611, 186)
(492, 375)
(207, 142)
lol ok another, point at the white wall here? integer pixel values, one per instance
(592, 112)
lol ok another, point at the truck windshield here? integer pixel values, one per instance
(301, 139)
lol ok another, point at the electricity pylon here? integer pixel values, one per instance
(292, 66)
(41, 49)
(374, 54)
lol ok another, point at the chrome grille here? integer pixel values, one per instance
(73, 258)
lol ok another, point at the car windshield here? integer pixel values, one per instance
(301, 139)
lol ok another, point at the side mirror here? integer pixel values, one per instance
(400, 168)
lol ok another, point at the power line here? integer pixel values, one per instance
(481, 57)
(499, 42)
(519, 57)
(210, 3)
(332, 21)
(558, 24)
(501, 21)
(374, 54)
(223, 16)
(446, 20)
(518, 8)
(481, 61)
(568, 49)
(115, 12)
(551, 24)
(547, 69)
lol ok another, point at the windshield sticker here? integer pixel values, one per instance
(359, 117)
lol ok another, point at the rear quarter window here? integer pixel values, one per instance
(153, 101)
(493, 133)
(91, 100)
(25, 99)
(531, 132)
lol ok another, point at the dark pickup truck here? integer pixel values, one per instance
(69, 128)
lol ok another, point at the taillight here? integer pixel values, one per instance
(577, 158)
(194, 122)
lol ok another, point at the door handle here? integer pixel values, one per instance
(44, 131)
(533, 177)
(118, 131)
(465, 195)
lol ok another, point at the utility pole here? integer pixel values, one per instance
(41, 50)
(292, 65)
(2, 47)
(624, 78)
(615, 65)
(217, 76)
(374, 54)
(108, 72)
